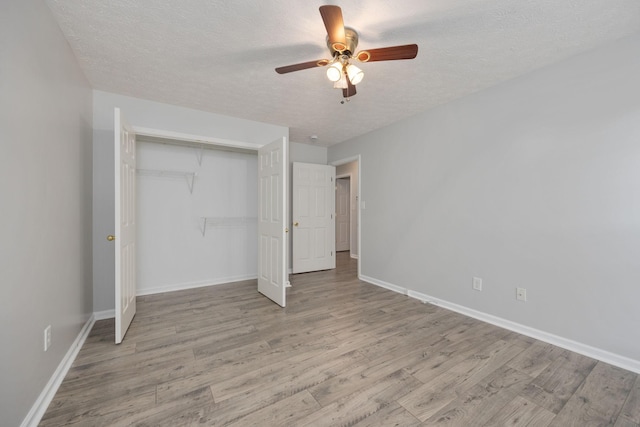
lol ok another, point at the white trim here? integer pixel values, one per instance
(179, 136)
(383, 284)
(193, 285)
(354, 256)
(106, 314)
(568, 344)
(345, 176)
(346, 160)
(46, 396)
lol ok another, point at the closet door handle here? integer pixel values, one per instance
(111, 237)
(295, 224)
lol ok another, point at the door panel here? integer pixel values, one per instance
(272, 260)
(313, 217)
(343, 214)
(125, 224)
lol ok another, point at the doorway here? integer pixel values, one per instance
(343, 214)
(271, 220)
(349, 169)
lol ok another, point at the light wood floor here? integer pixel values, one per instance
(343, 353)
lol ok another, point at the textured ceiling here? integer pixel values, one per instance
(220, 55)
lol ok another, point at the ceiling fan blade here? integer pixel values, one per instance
(350, 90)
(407, 51)
(332, 17)
(301, 66)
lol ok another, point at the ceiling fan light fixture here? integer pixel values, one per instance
(342, 83)
(334, 72)
(355, 74)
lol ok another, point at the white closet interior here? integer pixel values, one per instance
(196, 213)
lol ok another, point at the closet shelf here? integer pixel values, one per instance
(225, 222)
(188, 176)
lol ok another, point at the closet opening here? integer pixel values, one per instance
(196, 212)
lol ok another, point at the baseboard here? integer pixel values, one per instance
(568, 344)
(383, 284)
(106, 314)
(354, 256)
(46, 396)
(193, 285)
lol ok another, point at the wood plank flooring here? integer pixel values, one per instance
(343, 353)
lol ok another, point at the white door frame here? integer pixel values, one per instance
(179, 136)
(342, 176)
(356, 158)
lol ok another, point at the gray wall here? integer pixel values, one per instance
(45, 182)
(154, 115)
(534, 184)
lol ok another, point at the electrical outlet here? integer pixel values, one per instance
(521, 294)
(47, 338)
(477, 283)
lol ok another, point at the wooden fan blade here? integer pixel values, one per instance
(407, 51)
(332, 17)
(301, 66)
(349, 91)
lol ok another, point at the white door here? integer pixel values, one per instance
(342, 214)
(272, 194)
(125, 224)
(314, 234)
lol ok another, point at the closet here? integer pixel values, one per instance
(196, 215)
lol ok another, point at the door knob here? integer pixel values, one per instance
(295, 224)
(111, 237)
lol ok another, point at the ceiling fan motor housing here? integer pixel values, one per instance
(351, 37)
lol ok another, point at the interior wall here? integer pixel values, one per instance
(351, 168)
(153, 115)
(45, 182)
(175, 250)
(533, 184)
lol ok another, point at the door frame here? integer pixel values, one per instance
(179, 136)
(342, 176)
(357, 158)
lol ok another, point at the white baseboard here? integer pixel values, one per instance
(106, 314)
(354, 256)
(568, 344)
(46, 396)
(383, 284)
(192, 285)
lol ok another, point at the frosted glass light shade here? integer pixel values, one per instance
(334, 72)
(355, 74)
(342, 83)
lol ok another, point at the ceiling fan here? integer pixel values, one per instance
(342, 42)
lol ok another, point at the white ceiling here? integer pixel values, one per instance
(220, 55)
